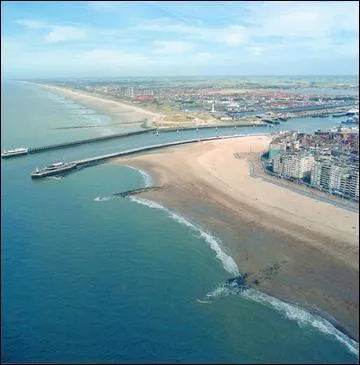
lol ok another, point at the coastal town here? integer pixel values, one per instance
(327, 161)
(206, 102)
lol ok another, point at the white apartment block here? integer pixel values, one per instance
(293, 165)
(336, 177)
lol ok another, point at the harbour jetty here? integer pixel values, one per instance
(25, 151)
(99, 159)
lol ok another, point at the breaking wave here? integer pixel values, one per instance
(103, 198)
(291, 311)
(220, 291)
(147, 180)
(203, 301)
(214, 243)
(303, 318)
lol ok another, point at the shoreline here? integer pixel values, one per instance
(117, 110)
(122, 114)
(318, 268)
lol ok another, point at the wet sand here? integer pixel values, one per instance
(294, 247)
(129, 116)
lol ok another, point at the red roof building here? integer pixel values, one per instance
(144, 98)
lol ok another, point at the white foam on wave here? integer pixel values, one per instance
(290, 311)
(55, 177)
(103, 198)
(219, 292)
(214, 243)
(147, 180)
(303, 318)
(203, 301)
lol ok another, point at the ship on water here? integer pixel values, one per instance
(15, 152)
(53, 169)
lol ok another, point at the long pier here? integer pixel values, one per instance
(129, 134)
(88, 140)
(235, 126)
(98, 159)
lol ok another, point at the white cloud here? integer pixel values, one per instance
(172, 46)
(283, 33)
(32, 23)
(256, 51)
(231, 35)
(236, 35)
(302, 19)
(64, 33)
(296, 21)
(103, 57)
(204, 56)
(57, 33)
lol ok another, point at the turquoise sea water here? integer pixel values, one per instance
(119, 280)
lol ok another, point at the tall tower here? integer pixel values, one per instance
(132, 93)
(213, 107)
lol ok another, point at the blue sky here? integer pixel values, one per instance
(163, 38)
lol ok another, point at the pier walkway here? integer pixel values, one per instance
(89, 140)
(129, 134)
(98, 159)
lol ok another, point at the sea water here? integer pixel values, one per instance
(87, 277)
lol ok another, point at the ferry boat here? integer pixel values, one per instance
(15, 152)
(53, 169)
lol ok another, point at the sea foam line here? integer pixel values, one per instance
(292, 312)
(103, 198)
(147, 180)
(303, 318)
(214, 243)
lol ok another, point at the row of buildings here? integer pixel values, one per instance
(324, 167)
(336, 177)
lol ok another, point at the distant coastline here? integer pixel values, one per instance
(314, 243)
(122, 114)
(137, 116)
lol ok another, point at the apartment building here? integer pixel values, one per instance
(293, 165)
(336, 177)
(320, 174)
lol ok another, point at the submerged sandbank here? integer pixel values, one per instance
(314, 243)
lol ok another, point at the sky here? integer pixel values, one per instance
(172, 38)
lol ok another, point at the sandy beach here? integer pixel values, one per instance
(294, 247)
(122, 114)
